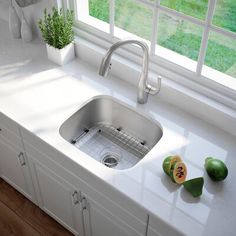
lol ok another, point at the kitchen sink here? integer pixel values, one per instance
(111, 132)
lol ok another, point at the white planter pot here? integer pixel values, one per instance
(61, 56)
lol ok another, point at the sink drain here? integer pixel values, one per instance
(110, 161)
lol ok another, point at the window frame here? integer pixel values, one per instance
(191, 79)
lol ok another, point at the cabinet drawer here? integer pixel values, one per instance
(9, 124)
(9, 137)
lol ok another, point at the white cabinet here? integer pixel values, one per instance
(78, 212)
(13, 162)
(73, 203)
(67, 198)
(56, 197)
(100, 222)
(157, 227)
(152, 232)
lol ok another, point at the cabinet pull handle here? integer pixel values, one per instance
(21, 159)
(86, 217)
(75, 198)
(84, 203)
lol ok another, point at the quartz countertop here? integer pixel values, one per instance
(40, 96)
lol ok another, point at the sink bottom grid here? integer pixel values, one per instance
(111, 146)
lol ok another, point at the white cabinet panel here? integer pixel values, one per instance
(99, 222)
(14, 169)
(93, 215)
(59, 199)
(157, 227)
(55, 196)
(151, 232)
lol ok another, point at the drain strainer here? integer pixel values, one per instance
(110, 160)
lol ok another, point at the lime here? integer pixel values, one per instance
(194, 186)
(178, 172)
(168, 162)
(216, 169)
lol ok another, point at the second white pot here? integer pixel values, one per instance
(61, 56)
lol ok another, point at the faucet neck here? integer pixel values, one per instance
(107, 57)
(142, 86)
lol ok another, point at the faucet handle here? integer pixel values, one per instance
(152, 90)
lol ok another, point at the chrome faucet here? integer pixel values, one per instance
(143, 87)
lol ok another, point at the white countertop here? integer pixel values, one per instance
(40, 96)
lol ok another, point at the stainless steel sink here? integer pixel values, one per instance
(111, 132)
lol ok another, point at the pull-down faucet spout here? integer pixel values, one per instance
(143, 87)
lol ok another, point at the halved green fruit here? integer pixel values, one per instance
(168, 162)
(216, 169)
(194, 186)
(178, 172)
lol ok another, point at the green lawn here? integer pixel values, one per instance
(175, 34)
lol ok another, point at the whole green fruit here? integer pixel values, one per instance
(216, 169)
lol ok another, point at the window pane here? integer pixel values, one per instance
(195, 8)
(179, 35)
(99, 9)
(134, 17)
(221, 54)
(94, 13)
(225, 14)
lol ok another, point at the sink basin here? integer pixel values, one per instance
(111, 132)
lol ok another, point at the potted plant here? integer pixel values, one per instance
(57, 32)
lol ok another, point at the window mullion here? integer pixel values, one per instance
(72, 5)
(112, 16)
(68, 4)
(145, 2)
(203, 48)
(60, 4)
(154, 27)
(181, 15)
(65, 4)
(223, 31)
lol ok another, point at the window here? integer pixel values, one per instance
(198, 35)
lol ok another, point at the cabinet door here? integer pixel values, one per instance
(59, 199)
(99, 222)
(14, 169)
(156, 227)
(152, 232)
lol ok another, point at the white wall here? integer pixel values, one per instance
(4, 6)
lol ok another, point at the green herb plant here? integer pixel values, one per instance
(57, 28)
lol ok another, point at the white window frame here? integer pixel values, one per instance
(216, 89)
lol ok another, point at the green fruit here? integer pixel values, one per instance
(194, 186)
(168, 162)
(216, 169)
